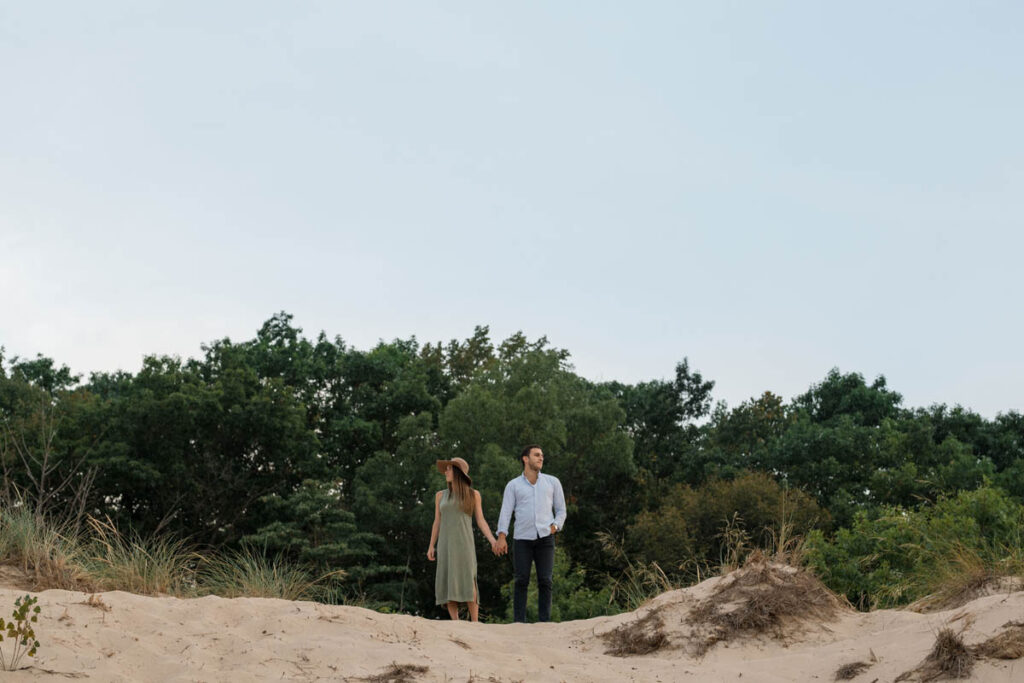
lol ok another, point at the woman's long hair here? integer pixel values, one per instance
(461, 487)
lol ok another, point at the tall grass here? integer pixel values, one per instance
(148, 566)
(105, 558)
(46, 552)
(249, 573)
(639, 582)
(959, 572)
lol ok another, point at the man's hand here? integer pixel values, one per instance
(501, 547)
(554, 529)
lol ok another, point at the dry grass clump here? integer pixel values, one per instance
(1006, 645)
(96, 601)
(762, 598)
(640, 637)
(949, 658)
(851, 670)
(397, 673)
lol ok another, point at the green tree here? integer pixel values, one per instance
(311, 526)
(661, 418)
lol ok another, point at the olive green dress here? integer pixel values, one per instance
(456, 554)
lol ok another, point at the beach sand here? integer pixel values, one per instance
(118, 636)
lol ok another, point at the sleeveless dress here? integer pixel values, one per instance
(456, 554)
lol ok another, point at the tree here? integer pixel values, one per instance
(311, 526)
(848, 395)
(661, 418)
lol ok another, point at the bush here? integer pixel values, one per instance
(894, 556)
(695, 529)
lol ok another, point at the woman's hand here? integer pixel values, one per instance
(431, 555)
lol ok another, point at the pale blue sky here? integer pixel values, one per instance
(771, 189)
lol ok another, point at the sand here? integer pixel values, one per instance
(118, 636)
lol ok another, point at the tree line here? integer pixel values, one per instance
(323, 454)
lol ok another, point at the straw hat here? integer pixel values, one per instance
(454, 462)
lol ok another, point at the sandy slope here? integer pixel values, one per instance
(133, 638)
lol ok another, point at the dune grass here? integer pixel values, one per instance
(250, 573)
(960, 573)
(147, 566)
(46, 552)
(104, 558)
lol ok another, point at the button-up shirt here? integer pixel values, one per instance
(536, 506)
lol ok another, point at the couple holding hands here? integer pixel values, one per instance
(538, 504)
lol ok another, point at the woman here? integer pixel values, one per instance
(452, 533)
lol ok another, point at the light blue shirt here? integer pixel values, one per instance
(536, 506)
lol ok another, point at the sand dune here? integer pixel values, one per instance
(118, 636)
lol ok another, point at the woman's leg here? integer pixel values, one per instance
(474, 607)
(453, 610)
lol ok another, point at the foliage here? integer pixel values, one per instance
(661, 418)
(696, 529)
(19, 632)
(896, 556)
(321, 456)
(312, 527)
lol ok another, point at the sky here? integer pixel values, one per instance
(769, 189)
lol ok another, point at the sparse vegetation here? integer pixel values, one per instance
(397, 673)
(639, 637)
(1009, 644)
(761, 598)
(851, 670)
(949, 658)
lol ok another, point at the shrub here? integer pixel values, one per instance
(895, 556)
(695, 529)
(19, 633)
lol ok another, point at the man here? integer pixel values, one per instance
(538, 504)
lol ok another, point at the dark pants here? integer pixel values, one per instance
(524, 555)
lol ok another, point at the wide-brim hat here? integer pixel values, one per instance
(454, 462)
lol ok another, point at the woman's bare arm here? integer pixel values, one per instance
(481, 522)
(431, 555)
